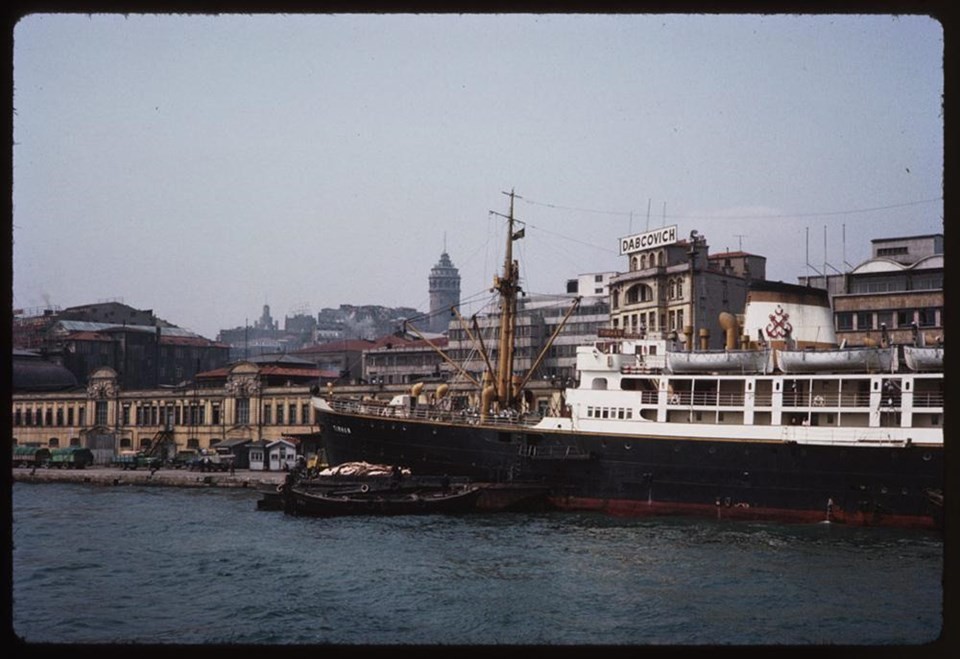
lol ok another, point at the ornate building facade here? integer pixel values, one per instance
(244, 401)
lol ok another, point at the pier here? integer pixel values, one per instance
(113, 477)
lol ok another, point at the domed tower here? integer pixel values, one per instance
(444, 293)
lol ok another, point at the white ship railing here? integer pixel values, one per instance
(383, 410)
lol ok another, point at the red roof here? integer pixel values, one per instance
(88, 336)
(355, 345)
(359, 345)
(278, 371)
(398, 343)
(286, 371)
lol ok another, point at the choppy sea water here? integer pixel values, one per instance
(185, 566)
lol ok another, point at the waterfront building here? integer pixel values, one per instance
(675, 287)
(538, 317)
(591, 285)
(899, 289)
(345, 357)
(267, 399)
(403, 360)
(144, 350)
(444, 286)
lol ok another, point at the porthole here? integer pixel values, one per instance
(627, 445)
(927, 457)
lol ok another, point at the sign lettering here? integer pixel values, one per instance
(655, 238)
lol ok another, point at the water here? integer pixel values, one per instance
(185, 566)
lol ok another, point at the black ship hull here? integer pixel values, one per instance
(648, 475)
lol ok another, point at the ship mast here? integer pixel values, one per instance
(508, 286)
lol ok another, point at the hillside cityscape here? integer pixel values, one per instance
(903, 282)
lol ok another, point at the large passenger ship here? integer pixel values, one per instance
(782, 424)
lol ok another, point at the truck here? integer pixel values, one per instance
(134, 460)
(209, 460)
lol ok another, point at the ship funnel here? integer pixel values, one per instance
(788, 315)
(486, 397)
(704, 338)
(729, 324)
(442, 390)
(416, 389)
(688, 333)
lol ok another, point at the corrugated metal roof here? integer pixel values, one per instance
(86, 326)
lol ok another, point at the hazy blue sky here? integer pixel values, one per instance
(202, 166)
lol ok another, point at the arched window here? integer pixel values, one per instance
(616, 299)
(53, 442)
(74, 441)
(633, 263)
(193, 443)
(639, 293)
(125, 443)
(643, 262)
(673, 289)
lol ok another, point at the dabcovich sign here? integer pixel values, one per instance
(655, 238)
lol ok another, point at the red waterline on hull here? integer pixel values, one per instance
(633, 508)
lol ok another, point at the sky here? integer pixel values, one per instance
(203, 166)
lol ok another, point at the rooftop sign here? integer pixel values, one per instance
(648, 240)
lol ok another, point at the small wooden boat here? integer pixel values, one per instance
(303, 501)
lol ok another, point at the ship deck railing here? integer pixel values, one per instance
(432, 413)
(931, 400)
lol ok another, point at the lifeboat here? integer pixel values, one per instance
(859, 358)
(922, 358)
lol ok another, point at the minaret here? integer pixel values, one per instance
(444, 293)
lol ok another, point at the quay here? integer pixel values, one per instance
(113, 477)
